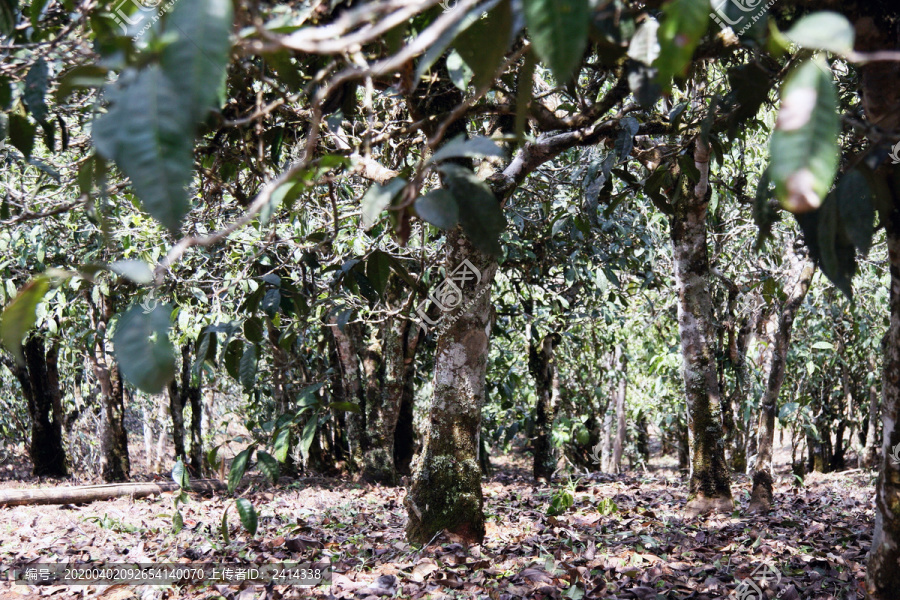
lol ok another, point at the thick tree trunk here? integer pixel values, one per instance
(39, 379)
(542, 365)
(621, 362)
(883, 575)
(709, 481)
(801, 274)
(445, 493)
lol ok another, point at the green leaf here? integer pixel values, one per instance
(180, 475)
(8, 10)
(247, 368)
(856, 208)
(36, 89)
(479, 211)
(269, 465)
(484, 44)
(142, 348)
(560, 503)
(378, 270)
(683, 26)
(378, 198)
(37, 7)
(254, 330)
(21, 134)
(459, 71)
(439, 208)
(233, 353)
(136, 270)
(247, 514)
(196, 61)
(149, 133)
(238, 468)
(80, 77)
(309, 432)
(345, 406)
(20, 315)
(460, 147)
(804, 149)
(282, 444)
(177, 522)
(559, 30)
(824, 30)
(823, 346)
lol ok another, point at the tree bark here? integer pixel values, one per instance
(542, 365)
(761, 497)
(347, 343)
(709, 479)
(869, 456)
(883, 574)
(445, 493)
(621, 362)
(39, 378)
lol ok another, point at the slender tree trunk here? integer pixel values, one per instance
(176, 411)
(761, 497)
(542, 365)
(621, 390)
(115, 464)
(196, 455)
(869, 457)
(39, 379)
(606, 456)
(347, 347)
(445, 493)
(642, 443)
(709, 481)
(147, 427)
(404, 433)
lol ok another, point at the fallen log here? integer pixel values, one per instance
(91, 493)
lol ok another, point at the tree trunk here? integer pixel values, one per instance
(621, 390)
(606, 453)
(176, 411)
(869, 457)
(642, 443)
(404, 433)
(542, 365)
(347, 342)
(445, 493)
(709, 479)
(114, 461)
(883, 575)
(39, 379)
(195, 398)
(761, 497)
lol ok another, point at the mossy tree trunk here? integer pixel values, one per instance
(709, 480)
(445, 492)
(39, 379)
(543, 367)
(799, 278)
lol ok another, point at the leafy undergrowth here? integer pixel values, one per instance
(623, 537)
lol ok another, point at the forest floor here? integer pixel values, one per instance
(623, 537)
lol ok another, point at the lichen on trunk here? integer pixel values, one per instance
(709, 480)
(445, 493)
